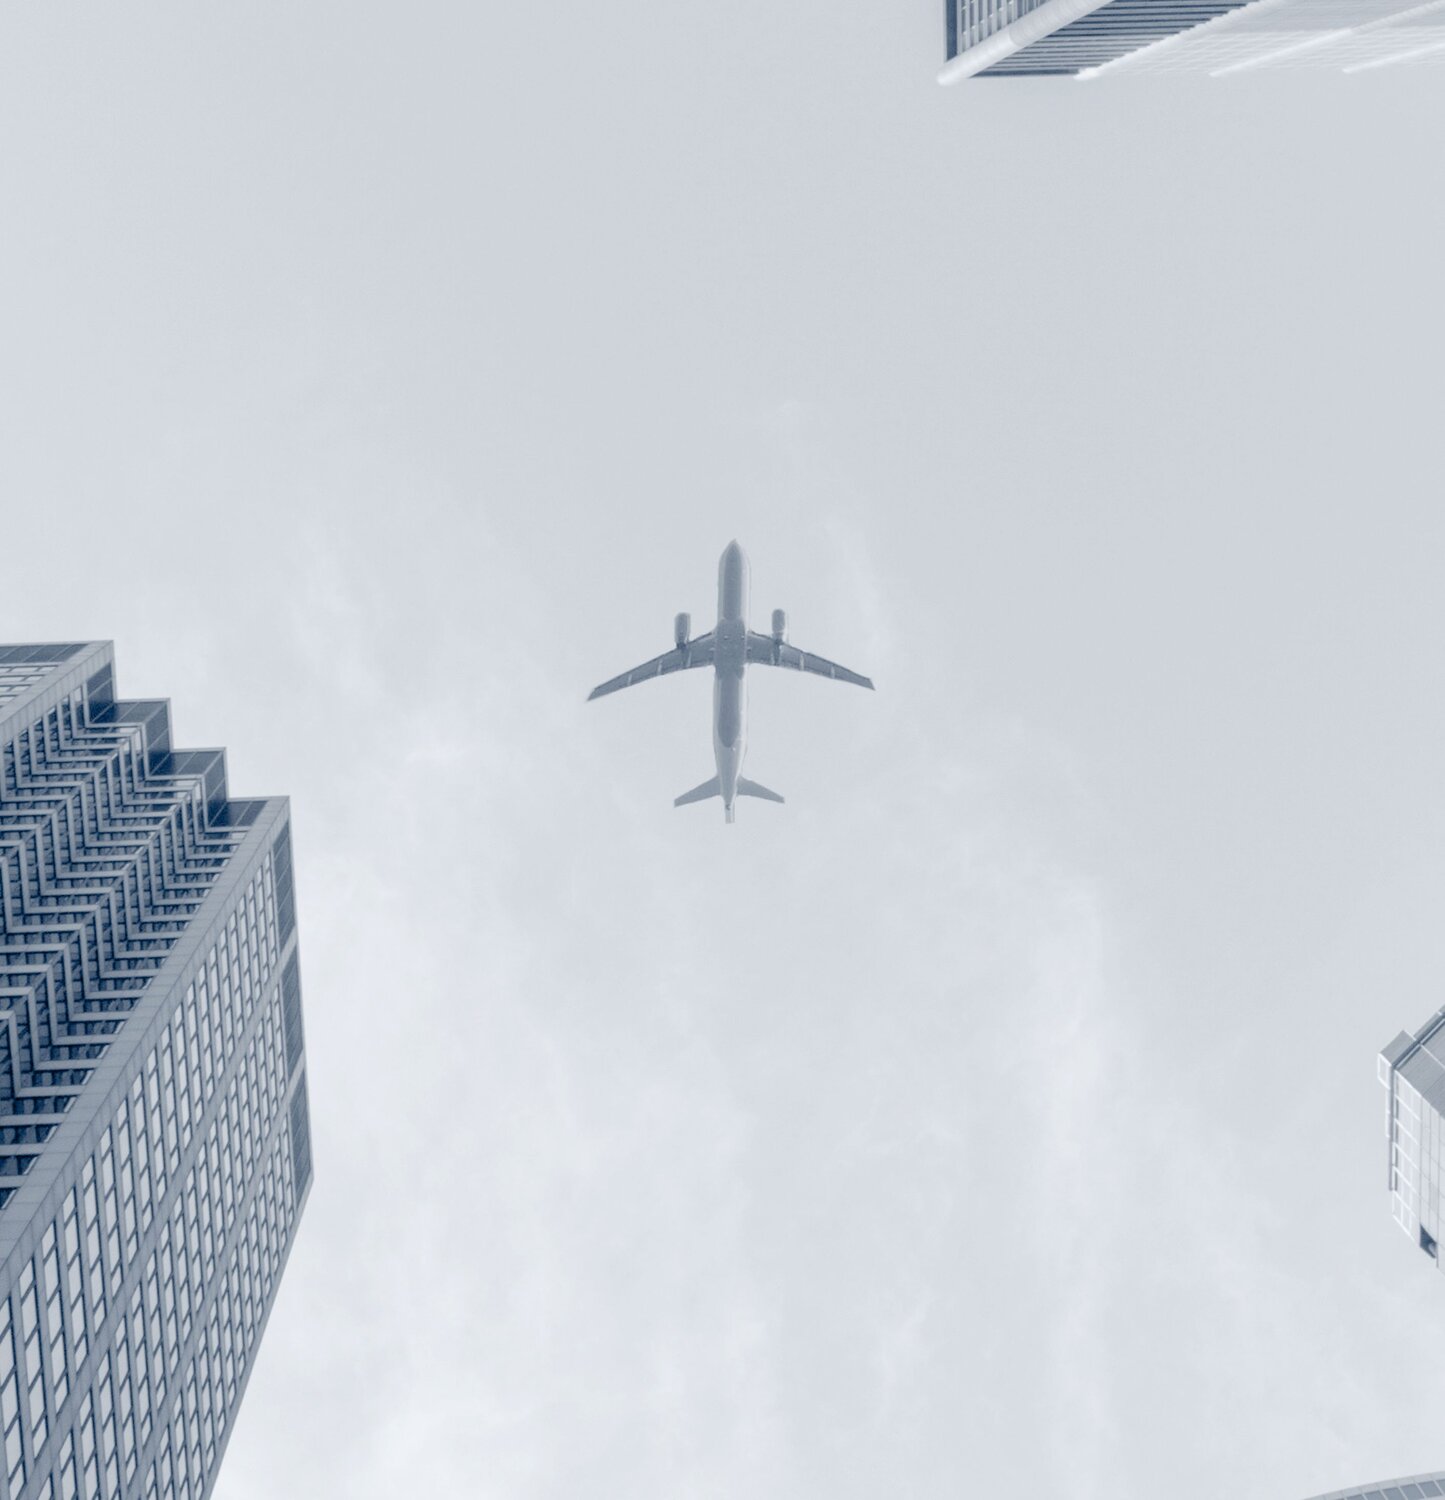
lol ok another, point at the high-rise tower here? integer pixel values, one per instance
(1412, 1068)
(1421, 1487)
(1030, 38)
(154, 1138)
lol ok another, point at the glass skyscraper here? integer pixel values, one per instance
(1421, 1487)
(1014, 38)
(1412, 1068)
(154, 1139)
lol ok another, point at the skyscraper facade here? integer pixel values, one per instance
(1421, 1487)
(1412, 1068)
(154, 1137)
(1086, 38)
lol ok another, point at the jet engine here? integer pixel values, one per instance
(780, 626)
(681, 627)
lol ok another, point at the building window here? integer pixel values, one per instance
(1427, 1243)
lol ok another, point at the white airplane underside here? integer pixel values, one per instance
(729, 649)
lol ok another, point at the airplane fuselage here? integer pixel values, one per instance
(728, 649)
(730, 693)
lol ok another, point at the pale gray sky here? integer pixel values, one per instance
(999, 1116)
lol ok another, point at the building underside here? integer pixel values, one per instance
(1087, 38)
(1421, 1487)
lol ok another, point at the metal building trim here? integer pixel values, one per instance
(1050, 17)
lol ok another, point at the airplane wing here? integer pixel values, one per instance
(767, 652)
(698, 653)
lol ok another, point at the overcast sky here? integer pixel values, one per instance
(999, 1116)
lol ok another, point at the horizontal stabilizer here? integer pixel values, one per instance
(748, 788)
(701, 793)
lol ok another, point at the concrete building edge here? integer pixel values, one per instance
(223, 1439)
(146, 1455)
(35, 1226)
(39, 1196)
(1050, 17)
(1361, 1490)
(35, 702)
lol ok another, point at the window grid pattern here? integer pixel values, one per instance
(17, 678)
(1412, 1069)
(1421, 1487)
(21, 667)
(1343, 35)
(1406, 1156)
(125, 1346)
(106, 853)
(1213, 36)
(971, 21)
(1109, 33)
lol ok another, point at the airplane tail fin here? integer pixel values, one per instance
(701, 793)
(748, 788)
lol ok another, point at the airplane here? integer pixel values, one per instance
(730, 648)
